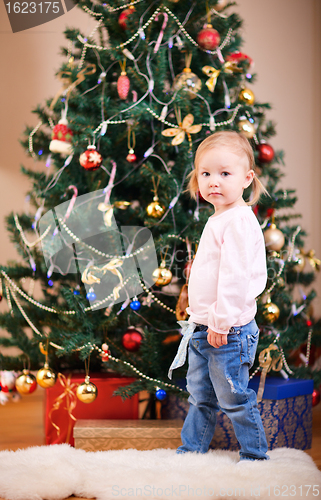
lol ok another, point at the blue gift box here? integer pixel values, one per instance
(286, 411)
(279, 388)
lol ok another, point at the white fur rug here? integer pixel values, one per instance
(58, 471)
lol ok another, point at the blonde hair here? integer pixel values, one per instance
(239, 145)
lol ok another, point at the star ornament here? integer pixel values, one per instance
(185, 127)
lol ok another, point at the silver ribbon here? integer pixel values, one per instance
(179, 360)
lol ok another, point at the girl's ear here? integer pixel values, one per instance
(248, 179)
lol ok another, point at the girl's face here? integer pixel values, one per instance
(222, 177)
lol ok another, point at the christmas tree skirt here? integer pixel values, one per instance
(55, 472)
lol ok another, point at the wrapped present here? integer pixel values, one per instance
(101, 435)
(286, 411)
(63, 409)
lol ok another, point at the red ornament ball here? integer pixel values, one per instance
(131, 157)
(208, 38)
(124, 16)
(266, 153)
(315, 397)
(91, 159)
(132, 339)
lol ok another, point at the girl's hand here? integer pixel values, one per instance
(216, 339)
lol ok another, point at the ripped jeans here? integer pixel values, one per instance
(218, 379)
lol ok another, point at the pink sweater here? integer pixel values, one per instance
(228, 272)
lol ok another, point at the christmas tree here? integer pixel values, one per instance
(112, 239)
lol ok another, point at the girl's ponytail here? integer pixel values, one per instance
(257, 190)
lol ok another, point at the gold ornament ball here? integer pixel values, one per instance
(26, 383)
(246, 128)
(247, 96)
(46, 377)
(87, 391)
(162, 276)
(271, 312)
(155, 209)
(189, 82)
(274, 238)
(220, 4)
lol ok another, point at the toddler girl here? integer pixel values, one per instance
(228, 273)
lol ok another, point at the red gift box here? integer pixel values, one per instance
(63, 408)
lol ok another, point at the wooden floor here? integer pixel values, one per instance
(22, 426)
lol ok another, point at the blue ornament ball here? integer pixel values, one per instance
(76, 292)
(135, 305)
(91, 296)
(161, 394)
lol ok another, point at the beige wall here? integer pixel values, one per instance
(283, 38)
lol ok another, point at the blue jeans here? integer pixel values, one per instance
(217, 378)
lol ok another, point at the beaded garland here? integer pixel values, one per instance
(32, 133)
(115, 9)
(98, 252)
(207, 124)
(26, 242)
(27, 297)
(308, 348)
(83, 55)
(141, 374)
